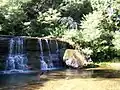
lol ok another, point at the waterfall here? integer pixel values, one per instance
(17, 60)
(43, 65)
(50, 55)
(50, 60)
(57, 54)
(57, 48)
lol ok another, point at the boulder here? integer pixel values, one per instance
(74, 58)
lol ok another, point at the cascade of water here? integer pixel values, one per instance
(57, 48)
(50, 63)
(11, 46)
(43, 65)
(17, 60)
(57, 61)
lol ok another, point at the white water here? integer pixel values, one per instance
(50, 55)
(43, 65)
(50, 61)
(17, 60)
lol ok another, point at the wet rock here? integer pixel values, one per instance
(72, 62)
(4, 49)
(52, 49)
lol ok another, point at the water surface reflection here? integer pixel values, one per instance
(17, 81)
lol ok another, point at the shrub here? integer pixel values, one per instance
(98, 32)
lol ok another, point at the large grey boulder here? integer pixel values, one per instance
(74, 58)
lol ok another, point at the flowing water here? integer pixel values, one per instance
(17, 60)
(52, 60)
(50, 63)
(44, 65)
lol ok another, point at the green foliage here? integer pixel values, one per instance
(50, 16)
(97, 36)
(90, 26)
(19, 17)
(116, 40)
(93, 26)
(100, 4)
(92, 34)
(116, 60)
(75, 9)
(12, 18)
(39, 17)
(58, 31)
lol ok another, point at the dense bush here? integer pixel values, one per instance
(99, 32)
(40, 17)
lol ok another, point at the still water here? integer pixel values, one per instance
(15, 81)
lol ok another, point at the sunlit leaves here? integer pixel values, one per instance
(90, 26)
(116, 40)
(87, 51)
(100, 4)
(49, 16)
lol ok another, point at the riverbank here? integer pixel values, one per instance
(109, 65)
(82, 84)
